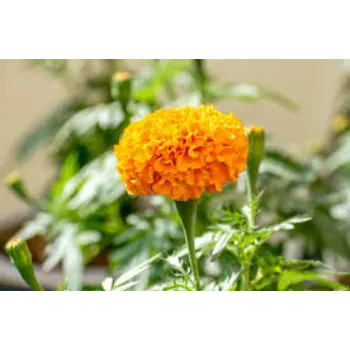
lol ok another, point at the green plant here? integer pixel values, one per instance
(86, 212)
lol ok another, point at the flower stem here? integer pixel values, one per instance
(202, 79)
(188, 214)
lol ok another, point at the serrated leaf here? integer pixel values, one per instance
(73, 266)
(38, 226)
(125, 286)
(58, 248)
(85, 123)
(229, 282)
(289, 223)
(129, 275)
(340, 157)
(175, 263)
(96, 185)
(201, 243)
(222, 239)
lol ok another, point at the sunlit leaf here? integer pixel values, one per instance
(96, 185)
(222, 240)
(85, 123)
(38, 226)
(340, 157)
(107, 284)
(58, 248)
(73, 266)
(148, 88)
(288, 224)
(131, 274)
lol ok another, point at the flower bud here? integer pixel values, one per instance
(256, 148)
(15, 183)
(20, 256)
(121, 88)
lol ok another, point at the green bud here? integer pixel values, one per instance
(121, 88)
(15, 184)
(21, 257)
(256, 146)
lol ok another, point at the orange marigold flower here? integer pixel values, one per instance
(180, 152)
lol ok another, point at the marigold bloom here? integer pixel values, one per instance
(180, 152)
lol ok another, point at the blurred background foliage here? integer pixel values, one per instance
(86, 217)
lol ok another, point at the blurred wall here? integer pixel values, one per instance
(27, 94)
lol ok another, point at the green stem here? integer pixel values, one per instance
(188, 214)
(251, 224)
(202, 79)
(251, 195)
(246, 275)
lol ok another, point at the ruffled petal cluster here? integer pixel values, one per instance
(180, 152)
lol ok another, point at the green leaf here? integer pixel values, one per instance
(201, 244)
(222, 239)
(305, 264)
(59, 247)
(69, 168)
(126, 286)
(45, 130)
(86, 122)
(92, 288)
(96, 185)
(229, 282)
(73, 266)
(131, 274)
(38, 226)
(290, 278)
(147, 88)
(88, 237)
(288, 224)
(339, 157)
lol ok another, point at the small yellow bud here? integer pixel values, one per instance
(12, 178)
(121, 76)
(15, 183)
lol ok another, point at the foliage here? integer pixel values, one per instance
(87, 213)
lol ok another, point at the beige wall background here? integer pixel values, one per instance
(27, 94)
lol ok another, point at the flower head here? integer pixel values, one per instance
(180, 152)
